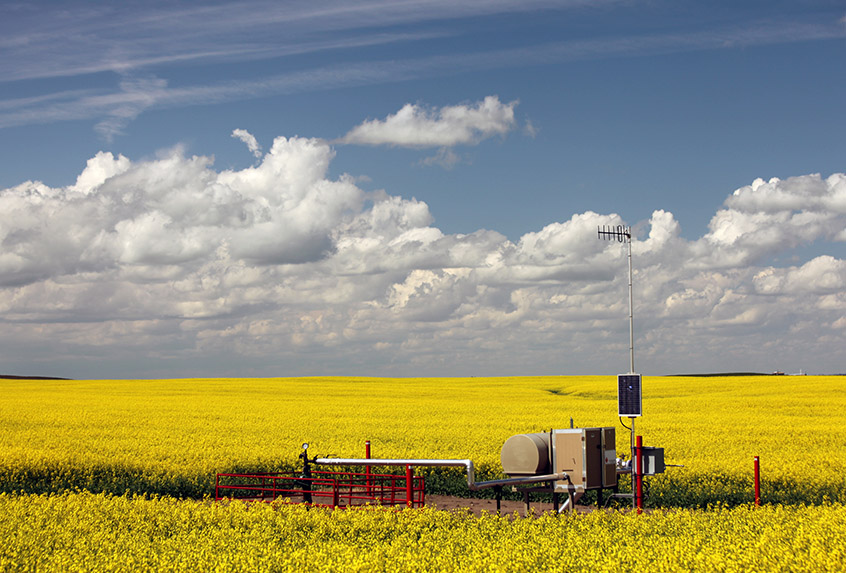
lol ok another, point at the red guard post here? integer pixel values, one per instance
(639, 473)
(757, 482)
(367, 468)
(409, 487)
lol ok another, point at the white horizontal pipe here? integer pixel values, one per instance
(467, 464)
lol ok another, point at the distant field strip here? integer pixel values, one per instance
(172, 436)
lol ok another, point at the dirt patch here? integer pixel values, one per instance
(479, 506)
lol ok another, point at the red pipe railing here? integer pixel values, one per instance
(324, 488)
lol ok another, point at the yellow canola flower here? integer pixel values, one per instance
(99, 532)
(172, 436)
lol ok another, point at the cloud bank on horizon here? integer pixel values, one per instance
(278, 269)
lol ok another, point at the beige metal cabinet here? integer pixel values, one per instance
(587, 455)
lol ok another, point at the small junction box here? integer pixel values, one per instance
(653, 460)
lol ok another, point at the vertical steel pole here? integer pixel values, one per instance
(639, 473)
(631, 308)
(409, 487)
(637, 498)
(757, 481)
(622, 233)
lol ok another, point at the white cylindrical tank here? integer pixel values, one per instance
(525, 455)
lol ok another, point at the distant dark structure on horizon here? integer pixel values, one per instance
(15, 377)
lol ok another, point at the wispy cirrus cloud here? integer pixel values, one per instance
(43, 41)
(114, 108)
(146, 49)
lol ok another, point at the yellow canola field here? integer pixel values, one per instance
(172, 436)
(88, 532)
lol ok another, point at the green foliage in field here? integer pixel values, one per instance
(87, 532)
(171, 436)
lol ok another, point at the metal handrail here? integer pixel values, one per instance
(466, 464)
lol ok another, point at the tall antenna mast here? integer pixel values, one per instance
(623, 235)
(629, 397)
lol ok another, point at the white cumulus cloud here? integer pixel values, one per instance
(172, 267)
(765, 218)
(418, 126)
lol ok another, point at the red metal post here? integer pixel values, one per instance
(639, 473)
(367, 468)
(757, 481)
(409, 487)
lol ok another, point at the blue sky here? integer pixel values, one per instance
(492, 135)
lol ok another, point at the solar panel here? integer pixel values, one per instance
(629, 402)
